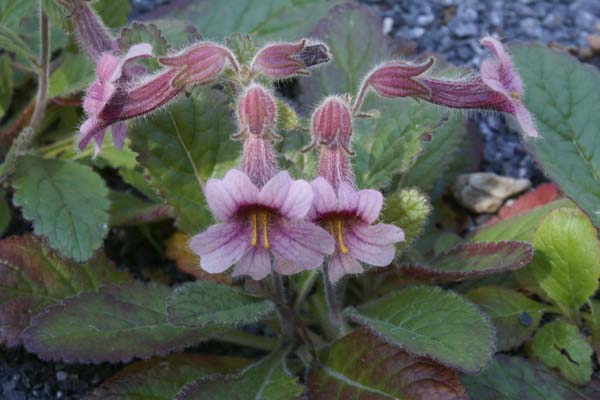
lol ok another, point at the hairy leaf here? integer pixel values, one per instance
(559, 345)
(115, 323)
(514, 378)
(74, 74)
(265, 380)
(11, 11)
(139, 32)
(128, 209)
(470, 260)
(407, 209)
(163, 378)
(363, 366)
(564, 97)
(33, 277)
(514, 315)
(428, 321)
(566, 265)
(183, 146)
(12, 43)
(113, 13)
(66, 201)
(210, 304)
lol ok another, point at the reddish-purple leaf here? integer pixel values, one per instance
(363, 366)
(33, 277)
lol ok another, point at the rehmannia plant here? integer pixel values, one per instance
(300, 188)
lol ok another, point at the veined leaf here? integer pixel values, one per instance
(12, 43)
(362, 365)
(74, 74)
(407, 209)
(115, 323)
(428, 321)
(113, 13)
(66, 201)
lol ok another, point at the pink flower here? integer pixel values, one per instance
(256, 112)
(113, 73)
(498, 87)
(349, 215)
(93, 36)
(200, 64)
(257, 224)
(286, 60)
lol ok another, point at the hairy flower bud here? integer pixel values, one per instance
(200, 63)
(256, 112)
(331, 123)
(286, 60)
(93, 36)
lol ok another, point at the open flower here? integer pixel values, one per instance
(255, 224)
(349, 215)
(498, 87)
(113, 73)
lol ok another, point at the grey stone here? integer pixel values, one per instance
(485, 192)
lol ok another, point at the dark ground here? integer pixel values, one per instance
(451, 28)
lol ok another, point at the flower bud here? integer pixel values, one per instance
(93, 36)
(200, 64)
(256, 112)
(331, 123)
(286, 60)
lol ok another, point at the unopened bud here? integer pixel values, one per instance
(256, 112)
(286, 60)
(331, 123)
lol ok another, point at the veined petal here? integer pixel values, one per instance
(325, 200)
(225, 197)
(97, 96)
(341, 264)
(256, 263)
(347, 198)
(220, 246)
(275, 191)
(300, 242)
(369, 204)
(135, 52)
(373, 244)
(286, 267)
(106, 67)
(499, 74)
(524, 118)
(298, 201)
(119, 130)
(89, 129)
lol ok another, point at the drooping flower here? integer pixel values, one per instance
(93, 36)
(113, 74)
(200, 63)
(286, 60)
(257, 224)
(349, 216)
(498, 87)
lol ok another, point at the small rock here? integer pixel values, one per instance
(426, 19)
(594, 42)
(465, 30)
(532, 27)
(484, 192)
(388, 25)
(61, 376)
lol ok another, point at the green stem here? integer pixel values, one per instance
(305, 289)
(332, 304)
(248, 340)
(286, 316)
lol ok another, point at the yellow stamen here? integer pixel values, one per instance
(264, 216)
(254, 221)
(343, 248)
(330, 226)
(515, 96)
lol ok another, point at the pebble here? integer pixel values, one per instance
(387, 25)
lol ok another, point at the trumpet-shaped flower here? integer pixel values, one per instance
(286, 60)
(349, 216)
(256, 225)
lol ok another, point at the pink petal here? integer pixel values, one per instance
(300, 242)
(499, 74)
(369, 205)
(325, 200)
(220, 246)
(372, 244)
(342, 264)
(286, 267)
(291, 198)
(225, 197)
(256, 263)
(275, 191)
(107, 66)
(347, 198)
(119, 130)
(89, 129)
(524, 118)
(97, 96)
(134, 53)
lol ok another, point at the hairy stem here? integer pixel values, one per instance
(248, 340)
(286, 317)
(335, 316)
(305, 289)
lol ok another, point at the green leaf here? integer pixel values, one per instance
(514, 315)
(182, 147)
(116, 323)
(265, 380)
(128, 209)
(521, 227)
(66, 201)
(559, 345)
(514, 378)
(244, 48)
(4, 212)
(6, 84)
(11, 11)
(163, 378)
(12, 43)
(74, 74)
(113, 12)
(139, 32)
(364, 366)
(409, 210)
(267, 19)
(564, 97)
(32, 277)
(428, 321)
(209, 304)
(566, 264)
(469, 260)
(594, 325)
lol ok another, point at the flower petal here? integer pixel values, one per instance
(347, 198)
(373, 244)
(135, 52)
(119, 130)
(300, 242)
(342, 264)
(275, 191)
(256, 263)
(325, 200)
(225, 197)
(286, 267)
(524, 118)
(220, 246)
(291, 198)
(89, 129)
(499, 73)
(369, 205)
(106, 67)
